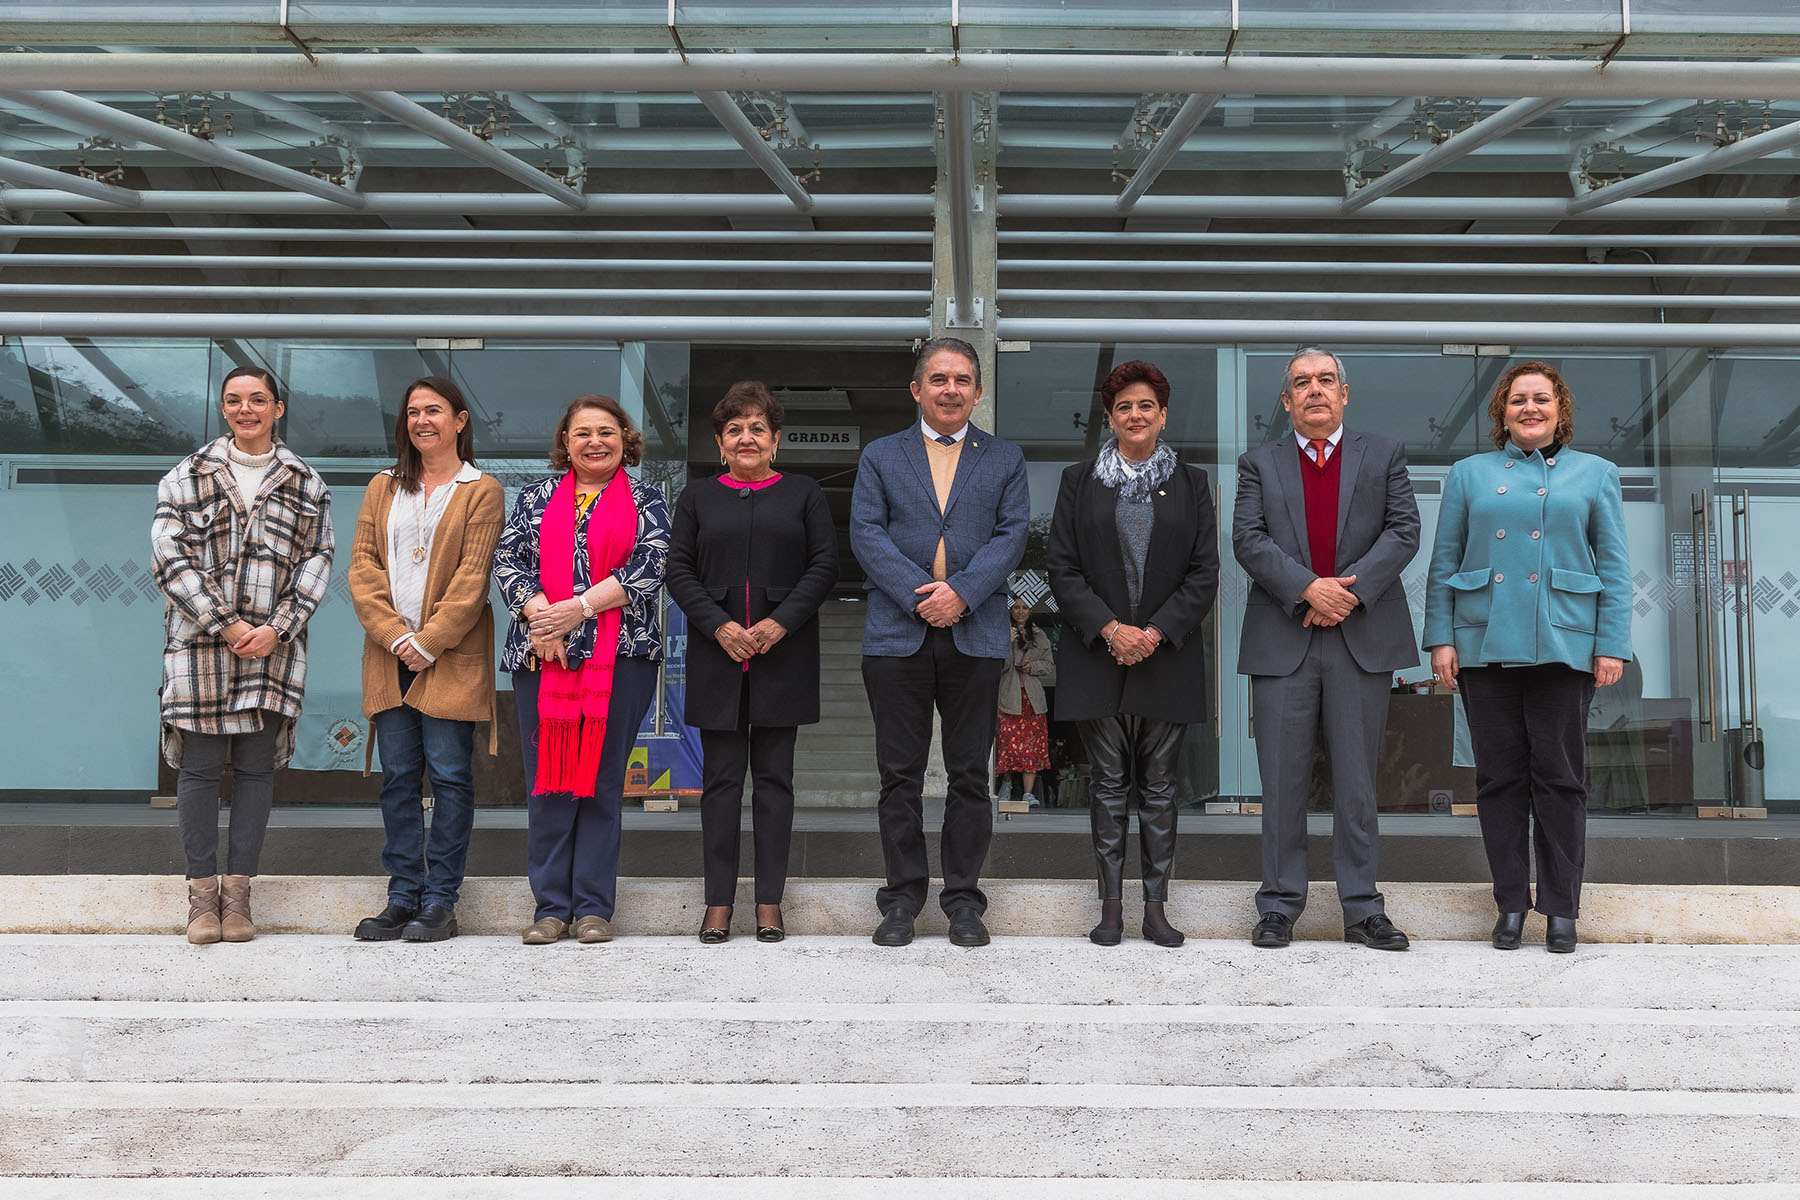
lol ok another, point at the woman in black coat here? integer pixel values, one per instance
(1134, 566)
(753, 555)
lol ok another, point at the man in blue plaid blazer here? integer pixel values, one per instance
(937, 521)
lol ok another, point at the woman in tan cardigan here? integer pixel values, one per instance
(419, 573)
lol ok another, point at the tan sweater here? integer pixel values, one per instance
(458, 625)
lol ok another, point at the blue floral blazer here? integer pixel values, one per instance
(516, 573)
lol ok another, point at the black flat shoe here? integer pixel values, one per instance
(384, 926)
(1156, 927)
(896, 928)
(1509, 930)
(771, 933)
(1559, 935)
(1274, 931)
(435, 923)
(1111, 929)
(712, 935)
(1377, 933)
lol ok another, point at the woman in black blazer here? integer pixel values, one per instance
(1134, 566)
(753, 554)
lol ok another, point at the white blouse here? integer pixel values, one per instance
(412, 527)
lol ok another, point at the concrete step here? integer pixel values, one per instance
(814, 905)
(1721, 982)
(1092, 1130)
(688, 1187)
(609, 1041)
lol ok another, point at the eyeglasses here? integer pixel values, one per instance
(254, 403)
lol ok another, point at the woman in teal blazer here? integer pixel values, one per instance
(1527, 610)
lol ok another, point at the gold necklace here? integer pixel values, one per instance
(425, 489)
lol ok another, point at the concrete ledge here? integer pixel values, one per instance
(1095, 1130)
(1725, 982)
(684, 1042)
(693, 1187)
(157, 904)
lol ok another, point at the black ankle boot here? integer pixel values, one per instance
(1157, 928)
(1111, 929)
(1559, 935)
(1509, 930)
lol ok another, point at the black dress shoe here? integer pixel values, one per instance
(1559, 935)
(712, 934)
(896, 928)
(772, 933)
(966, 928)
(384, 926)
(1156, 927)
(1377, 933)
(1274, 931)
(1509, 931)
(435, 923)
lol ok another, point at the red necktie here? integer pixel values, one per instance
(1318, 448)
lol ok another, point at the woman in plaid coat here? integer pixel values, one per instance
(241, 545)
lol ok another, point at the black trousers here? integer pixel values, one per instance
(1529, 730)
(902, 694)
(1121, 750)
(767, 752)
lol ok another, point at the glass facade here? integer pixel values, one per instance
(610, 234)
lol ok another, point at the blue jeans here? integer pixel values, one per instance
(421, 873)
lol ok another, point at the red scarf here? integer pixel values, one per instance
(572, 702)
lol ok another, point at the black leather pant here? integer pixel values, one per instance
(1120, 749)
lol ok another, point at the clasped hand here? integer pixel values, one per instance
(250, 641)
(1328, 600)
(1131, 644)
(941, 606)
(744, 644)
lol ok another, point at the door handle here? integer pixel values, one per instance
(1705, 629)
(1746, 631)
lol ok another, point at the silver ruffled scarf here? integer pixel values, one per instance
(1134, 481)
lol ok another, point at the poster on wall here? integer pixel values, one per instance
(667, 764)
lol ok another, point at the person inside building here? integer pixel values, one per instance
(241, 546)
(579, 565)
(419, 572)
(1022, 726)
(752, 557)
(1134, 566)
(1527, 611)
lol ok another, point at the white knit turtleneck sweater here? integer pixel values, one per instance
(248, 470)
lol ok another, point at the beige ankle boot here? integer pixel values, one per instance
(234, 910)
(203, 911)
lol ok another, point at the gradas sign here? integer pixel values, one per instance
(821, 441)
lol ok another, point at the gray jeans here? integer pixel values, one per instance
(253, 794)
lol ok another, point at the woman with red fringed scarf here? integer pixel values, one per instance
(579, 564)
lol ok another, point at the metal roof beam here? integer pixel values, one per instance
(1780, 138)
(959, 177)
(32, 175)
(1014, 206)
(725, 110)
(1496, 125)
(1175, 135)
(449, 133)
(824, 327)
(85, 114)
(1104, 74)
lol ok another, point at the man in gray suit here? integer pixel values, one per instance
(937, 520)
(1325, 522)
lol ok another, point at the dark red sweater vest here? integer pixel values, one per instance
(1321, 491)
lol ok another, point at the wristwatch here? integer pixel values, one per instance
(587, 610)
